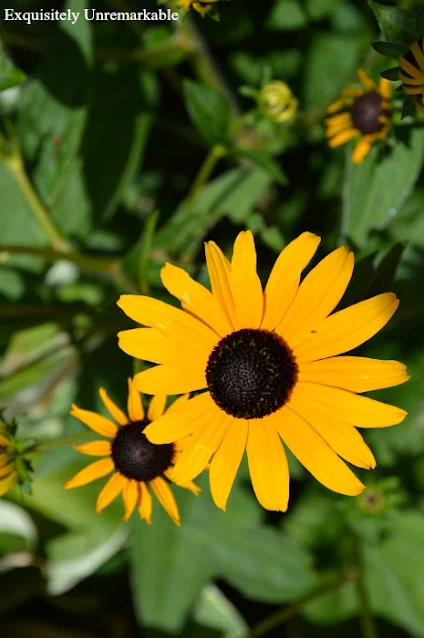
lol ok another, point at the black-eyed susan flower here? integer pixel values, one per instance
(362, 114)
(136, 463)
(412, 72)
(8, 472)
(266, 368)
(201, 6)
(277, 101)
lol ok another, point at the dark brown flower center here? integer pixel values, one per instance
(135, 457)
(366, 112)
(251, 373)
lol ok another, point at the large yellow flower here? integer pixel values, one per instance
(363, 114)
(135, 462)
(267, 363)
(8, 473)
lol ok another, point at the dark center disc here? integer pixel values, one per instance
(366, 111)
(250, 373)
(135, 457)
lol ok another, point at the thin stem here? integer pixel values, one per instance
(15, 164)
(147, 56)
(205, 171)
(369, 629)
(282, 615)
(65, 440)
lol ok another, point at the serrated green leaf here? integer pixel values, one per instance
(208, 111)
(389, 49)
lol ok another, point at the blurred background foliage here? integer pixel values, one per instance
(126, 144)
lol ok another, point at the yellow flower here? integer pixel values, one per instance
(277, 101)
(268, 363)
(360, 113)
(135, 462)
(8, 473)
(201, 6)
(412, 69)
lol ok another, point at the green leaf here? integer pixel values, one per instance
(10, 75)
(419, 21)
(289, 15)
(396, 24)
(208, 111)
(208, 545)
(214, 610)
(265, 161)
(409, 106)
(376, 190)
(391, 74)
(17, 530)
(389, 49)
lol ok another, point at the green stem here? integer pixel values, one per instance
(369, 629)
(46, 446)
(146, 56)
(15, 164)
(205, 171)
(282, 615)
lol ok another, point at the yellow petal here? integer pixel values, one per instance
(156, 407)
(95, 448)
(196, 299)
(343, 137)
(385, 88)
(245, 283)
(284, 279)
(316, 455)
(6, 469)
(166, 379)
(166, 498)
(410, 68)
(348, 328)
(411, 81)
(346, 406)
(367, 82)
(361, 150)
(145, 504)
(130, 495)
(150, 344)
(204, 442)
(343, 438)
(91, 473)
(357, 374)
(340, 119)
(7, 483)
(4, 459)
(111, 490)
(318, 294)
(176, 424)
(219, 270)
(268, 466)
(4, 441)
(95, 422)
(112, 408)
(418, 55)
(226, 462)
(178, 403)
(135, 405)
(174, 323)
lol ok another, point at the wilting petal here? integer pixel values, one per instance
(145, 504)
(130, 496)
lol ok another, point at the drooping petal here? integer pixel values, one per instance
(219, 270)
(119, 416)
(284, 279)
(343, 438)
(316, 455)
(196, 299)
(367, 82)
(95, 448)
(166, 498)
(156, 407)
(111, 490)
(145, 503)
(204, 442)
(92, 472)
(361, 150)
(135, 405)
(150, 344)
(245, 283)
(166, 379)
(8, 482)
(348, 328)
(347, 406)
(178, 325)
(343, 137)
(226, 462)
(385, 88)
(418, 55)
(95, 422)
(130, 496)
(268, 466)
(6, 469)
(176, 424)
(410, 68)
(318, 294)
(357, 374)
